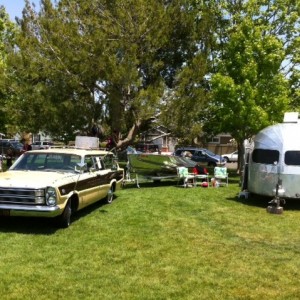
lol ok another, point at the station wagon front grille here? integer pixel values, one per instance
(21, 196)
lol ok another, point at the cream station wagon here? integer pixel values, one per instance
(57, 182)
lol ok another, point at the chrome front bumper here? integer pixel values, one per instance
(29, 211)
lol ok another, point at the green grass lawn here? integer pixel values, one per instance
(157, 242)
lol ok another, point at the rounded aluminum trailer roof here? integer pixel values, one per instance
(284, 136)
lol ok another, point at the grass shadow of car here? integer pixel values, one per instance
(27, 225)
(99, 205)
(150, 184)
(46, 226)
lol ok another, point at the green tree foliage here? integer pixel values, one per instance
(7, 30)
(244, 74)
(187, 102)
(249, 89)
(206, 65)
(98, 61)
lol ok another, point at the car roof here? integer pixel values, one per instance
(190, 148)
(42, 142)
(236, 151)
(8, 140)
(75, 151)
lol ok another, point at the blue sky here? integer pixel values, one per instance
(14, 7)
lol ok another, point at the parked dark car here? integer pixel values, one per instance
(201, 155)
(15, 146)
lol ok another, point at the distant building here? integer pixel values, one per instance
(166, 141)
(160, 136)
(41, 137)
(221, 144)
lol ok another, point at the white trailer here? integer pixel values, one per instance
(273, 167)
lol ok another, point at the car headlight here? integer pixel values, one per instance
(51, 196)
(40, 196)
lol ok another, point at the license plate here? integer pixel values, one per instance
(5, 212)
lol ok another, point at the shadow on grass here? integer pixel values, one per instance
(150, 184)
(27, 225)
(45, 226)
(263, 202)
(257, 201)
(292, 204)
(99, 205)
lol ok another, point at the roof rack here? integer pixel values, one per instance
(83, 143)
(75, 147)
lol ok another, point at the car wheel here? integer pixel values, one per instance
(64, 220)
(226, 159)
(110, 195)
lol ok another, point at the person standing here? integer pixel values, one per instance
(27, 147)
(9, 158)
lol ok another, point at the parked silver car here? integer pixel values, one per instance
(41, 145)
(231, 157)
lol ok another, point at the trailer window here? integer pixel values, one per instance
(264, 156)
(292, 158)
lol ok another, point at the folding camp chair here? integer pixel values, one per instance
(201, 175)
(220, 173)
(183, 174)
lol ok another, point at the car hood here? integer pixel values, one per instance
(216, 156)
(35, 179)
(220, 160)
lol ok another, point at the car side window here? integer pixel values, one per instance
(88, 160)
(98, 163)
(200, 153)
(93, 162)
(178, 152)
(109, 162)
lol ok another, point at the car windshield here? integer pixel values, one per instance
(47, 162)
(210, 153)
